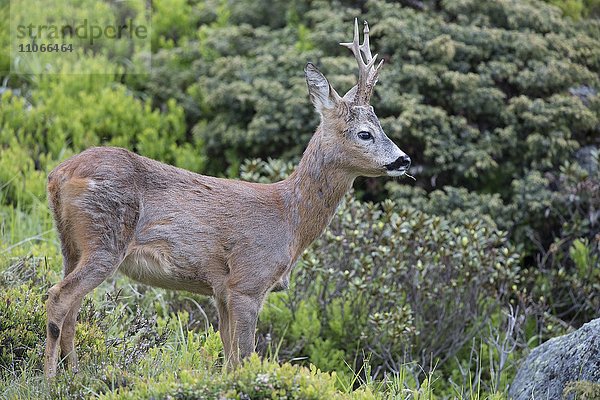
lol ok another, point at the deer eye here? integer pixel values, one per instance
(364, 135)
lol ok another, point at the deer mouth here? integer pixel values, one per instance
(396, 172)
(399, 166)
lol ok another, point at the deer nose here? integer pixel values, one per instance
(402, 162)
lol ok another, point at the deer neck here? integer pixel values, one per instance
(314, 190)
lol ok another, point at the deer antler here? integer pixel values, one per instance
(367, 73)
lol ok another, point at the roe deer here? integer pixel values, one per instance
(234, 240)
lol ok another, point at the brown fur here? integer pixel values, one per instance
(168, 227)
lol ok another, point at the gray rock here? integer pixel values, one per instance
(549, 367)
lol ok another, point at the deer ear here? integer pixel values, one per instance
(322, 95)
(351, 94)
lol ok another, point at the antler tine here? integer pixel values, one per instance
(367, 75)
(365, 48)
(354, 45)
(376, 72)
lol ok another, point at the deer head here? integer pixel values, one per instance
(349, 125)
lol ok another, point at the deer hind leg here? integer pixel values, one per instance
(71, 256)
(65, 297)
(67, 337)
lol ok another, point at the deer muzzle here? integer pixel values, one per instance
(401, 164)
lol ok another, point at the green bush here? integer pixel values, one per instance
(458, 203)
(577, 9)
(256, 379)
(259, 380)
(173, 21)
(65, 114)
(583, 390)
(565, 222)
(5, 40)
(22, 326)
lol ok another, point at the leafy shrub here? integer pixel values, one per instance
(513, 14)
(406, 272)
(577, 9)
(5, 40)
(552, 214)
(582, 390)
(458, 203)
(172, 21)
(566, 224)
(65, 114)
(255, 379)
(22, 326)
(460, 119)
(259, 380)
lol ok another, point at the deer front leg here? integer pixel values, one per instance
(224, 331)
(243, 315)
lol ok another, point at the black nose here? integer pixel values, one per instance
(402, 162)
